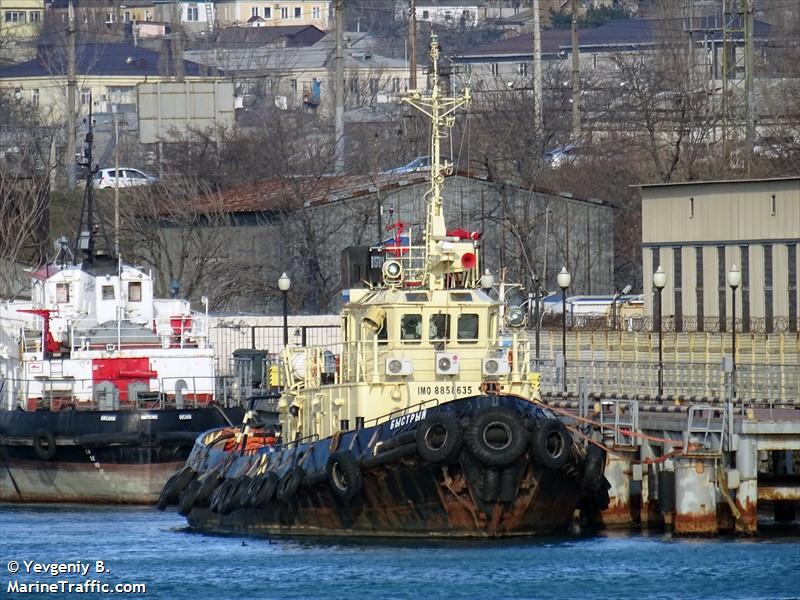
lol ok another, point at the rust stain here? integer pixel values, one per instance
(698, 524)
(617, 514)
(748, 523)
(781, 493)
(649, 514)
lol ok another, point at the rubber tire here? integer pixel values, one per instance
(251, 491)
(593, 467)
(208, 484)
(188, 497)
(344, 475)
(168, 493)
(475, 437)
(290, 483)
(236, 496)
(218, 497)
(266, 492)
(44, 444)
(453, 435)
(545, 431)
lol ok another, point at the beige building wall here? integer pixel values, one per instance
(311, 12)
(748, 219)
(20, 18)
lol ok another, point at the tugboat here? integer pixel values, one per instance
(103, 388)
(424, 422)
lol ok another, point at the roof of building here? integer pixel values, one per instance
(293, 35)
(243, 60)
(293, 193)
(611, 35)
(111, 59)
(718, 182)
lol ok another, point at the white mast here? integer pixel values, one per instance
(439, 109)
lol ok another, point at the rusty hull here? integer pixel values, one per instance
(411, 498)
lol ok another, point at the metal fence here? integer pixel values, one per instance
(758, 383)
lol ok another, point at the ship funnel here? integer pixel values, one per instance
(375, 318)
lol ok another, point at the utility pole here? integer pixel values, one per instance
(537, 68)
(412, 33)
(116, 180)
(576, 76)
(338, 86)
(748, 84)
(71, 84)
(176, 42)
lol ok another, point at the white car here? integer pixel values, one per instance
(108, 178)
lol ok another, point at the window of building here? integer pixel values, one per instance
(108, 292)
(495, 68)
(135, 291)
(298, 12)
(677, 287)
(316, 13)
(744, 251)
(284, 12)
(467, 330)
(791, 260)
(439, 327)
(773, 205)
(192, 13)
(35, 97)
(62, 292)
(85, 18)
(293, 85)
(426, 14)
(254, 11)
(768, 312)
(121, 94)
(411, 328)
(721, 288)
(698, 286)
(127, 16)
(111, 17)
(691, 208)
(86, 96)
(35, 16)
(267, 12)
(15, 16)
(522, 69)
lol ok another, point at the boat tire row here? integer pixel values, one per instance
(496, 437)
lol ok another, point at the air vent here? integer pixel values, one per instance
(399, 366)
(446, 363)
(495, 366)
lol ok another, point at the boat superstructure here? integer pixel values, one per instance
(103, 386)
(422, 422)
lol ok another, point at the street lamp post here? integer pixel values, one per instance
(659, 281)
(564, 279)
(284, 283)
(734, 279)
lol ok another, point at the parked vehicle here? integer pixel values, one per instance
(421, 163)
(108, 178)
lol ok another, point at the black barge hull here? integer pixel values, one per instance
(109, 457)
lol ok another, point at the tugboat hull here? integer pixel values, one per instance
(430, 477)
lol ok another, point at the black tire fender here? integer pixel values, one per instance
(44, 444)
(218, 497)
(208, 484)
(344, 475)
(496, 436)
(290, 483)
(593, 467)
(188, 497)
(168, 493)
(267, 489)
(550, 444)
(438, 438)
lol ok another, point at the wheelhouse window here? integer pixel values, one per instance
(108, 292)
(439, 327)
(135, 291)
(460, 296)
(411, 329)
(467, 329)
(62, 292)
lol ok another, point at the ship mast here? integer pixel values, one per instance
(439, 109)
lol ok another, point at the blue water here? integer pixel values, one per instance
(142, 545)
